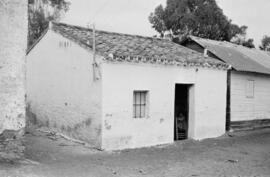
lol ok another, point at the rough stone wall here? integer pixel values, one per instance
(13, 44)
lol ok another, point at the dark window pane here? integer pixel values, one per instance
(138, 99)
(143, 98)
(137, 111)
(142, 111)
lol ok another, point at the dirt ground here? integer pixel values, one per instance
(242, 154)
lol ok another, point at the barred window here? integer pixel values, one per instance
(140, 104)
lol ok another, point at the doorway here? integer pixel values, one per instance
(181, 111)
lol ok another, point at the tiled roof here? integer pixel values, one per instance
(133, 48)
(241, 58)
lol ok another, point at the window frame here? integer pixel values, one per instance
(250, 93)
(142, 104)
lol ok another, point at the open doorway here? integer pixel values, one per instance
(181, 111)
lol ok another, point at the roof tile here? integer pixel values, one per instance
(133, 46)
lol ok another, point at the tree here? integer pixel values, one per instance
(202, 18)
(40, 13)
(249, 43)
(157, 19)
(243, 41)
(265, 43)
(241, 38)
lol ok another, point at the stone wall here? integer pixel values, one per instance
(13, 44)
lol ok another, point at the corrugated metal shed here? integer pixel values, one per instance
(239, 57)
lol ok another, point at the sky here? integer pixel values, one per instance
(131, 16)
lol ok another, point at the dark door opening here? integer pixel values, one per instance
(181, 111)
(228, 106)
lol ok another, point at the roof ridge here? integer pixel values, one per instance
(124, 34)
(37, 41)
(108, 32)
(224, 41)
(239, 56)
(135, 48)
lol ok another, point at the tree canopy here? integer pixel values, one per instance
(265, 43)
(202, 18)
(241, 38)
(40, 12)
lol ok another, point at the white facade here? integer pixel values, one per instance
(206, 106)
(244, 106)
(62, 95)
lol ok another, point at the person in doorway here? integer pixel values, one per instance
(181, 125)
(181, 122)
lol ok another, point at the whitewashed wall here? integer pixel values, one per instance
(244, 108)
(13, 44)
(61, 93)
(121, 130)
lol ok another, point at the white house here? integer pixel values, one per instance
(133, 92)
(248, 97)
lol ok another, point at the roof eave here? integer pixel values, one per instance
(37, 41)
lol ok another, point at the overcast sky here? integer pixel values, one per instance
(131, 16)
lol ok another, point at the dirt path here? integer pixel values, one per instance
(245, 154)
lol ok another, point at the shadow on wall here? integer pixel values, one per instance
(31, 118)
(80, 131)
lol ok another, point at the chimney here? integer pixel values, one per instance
(167, 35)
(205, 53)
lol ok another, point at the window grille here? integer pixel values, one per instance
(139, 104)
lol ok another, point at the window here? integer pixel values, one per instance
(250, 89)
(140, 104)
(64, 44)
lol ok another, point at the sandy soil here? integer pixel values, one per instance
(242, 154)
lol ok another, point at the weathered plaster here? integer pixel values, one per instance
(61, 93)
(121, 130)
(13, 43)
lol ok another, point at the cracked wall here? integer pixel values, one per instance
(13, 44)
